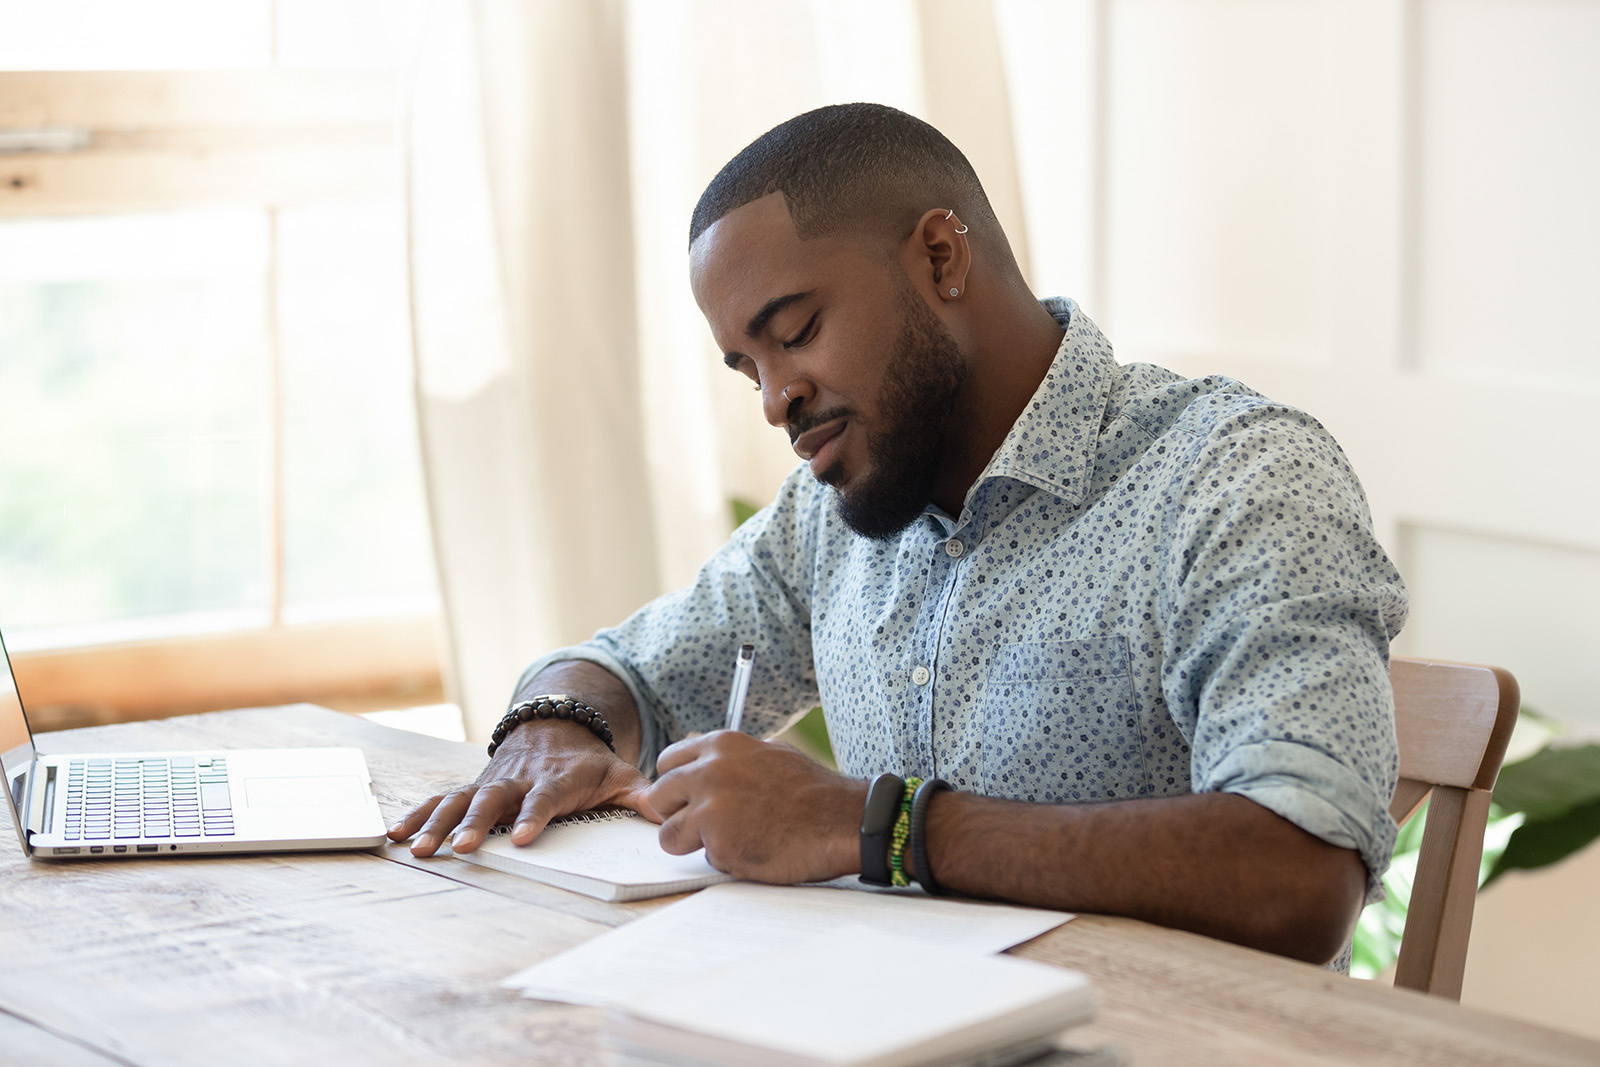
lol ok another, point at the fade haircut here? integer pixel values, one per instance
(850, 168)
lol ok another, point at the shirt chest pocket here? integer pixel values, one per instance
(1061, 724)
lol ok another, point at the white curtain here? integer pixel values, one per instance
(582, 439)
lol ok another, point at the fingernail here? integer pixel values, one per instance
(422, 843)
(463, 839)
(396, 827)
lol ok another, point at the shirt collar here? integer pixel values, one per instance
(1052, 444)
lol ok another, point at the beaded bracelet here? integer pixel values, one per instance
(551, 706)
(919, 838)
(902, 833)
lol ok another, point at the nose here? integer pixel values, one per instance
(782, 399)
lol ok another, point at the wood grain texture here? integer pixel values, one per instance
(1453, 720)
(359, 958)
(1179, 999)
(1408, 797)
(84, 686)
(1433, 952)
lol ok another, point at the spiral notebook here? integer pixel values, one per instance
(611, 854)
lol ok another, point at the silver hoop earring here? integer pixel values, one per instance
(947, 216)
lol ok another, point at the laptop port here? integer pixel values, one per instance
(95, 850)
(147, 848)
(119, 848)
(68, 851)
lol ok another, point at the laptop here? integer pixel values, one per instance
(125, 805)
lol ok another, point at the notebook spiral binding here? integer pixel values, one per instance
(579, 817)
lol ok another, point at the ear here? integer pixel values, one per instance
(941, 257)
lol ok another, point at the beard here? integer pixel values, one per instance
(921, 386)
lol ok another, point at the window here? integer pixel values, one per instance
(210, 488)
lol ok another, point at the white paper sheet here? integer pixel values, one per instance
(728, 922)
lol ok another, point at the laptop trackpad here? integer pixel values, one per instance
(305, 791)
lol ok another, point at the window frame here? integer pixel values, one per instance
(270, 138)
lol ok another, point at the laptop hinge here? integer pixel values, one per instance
(38, 783)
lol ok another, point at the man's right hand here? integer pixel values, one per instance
(545, 768)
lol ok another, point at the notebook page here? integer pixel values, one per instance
(623, 848)
(728, 922)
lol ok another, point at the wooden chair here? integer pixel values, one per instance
(1453, 721)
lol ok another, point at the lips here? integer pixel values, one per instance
(814, 445)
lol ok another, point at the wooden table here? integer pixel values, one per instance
(379, 958)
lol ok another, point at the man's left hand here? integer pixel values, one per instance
(764, 812)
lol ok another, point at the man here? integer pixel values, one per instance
(1140, 624)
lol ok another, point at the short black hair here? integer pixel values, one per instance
(862, 168)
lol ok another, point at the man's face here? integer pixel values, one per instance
(872, 375)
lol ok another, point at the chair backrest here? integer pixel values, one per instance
(1453, 722)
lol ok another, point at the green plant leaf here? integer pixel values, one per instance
(742, 510)
(1541, 842)
(1550, 782)
(815, 731)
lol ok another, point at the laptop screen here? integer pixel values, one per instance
(16, 740)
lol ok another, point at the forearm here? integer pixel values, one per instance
(1216, 864)
(595, 686)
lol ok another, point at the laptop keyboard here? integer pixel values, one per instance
(151, 797)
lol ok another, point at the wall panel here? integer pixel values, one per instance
(1518, 604)
(1508, 217)
(1220, 200)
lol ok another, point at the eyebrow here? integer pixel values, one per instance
(758, 321)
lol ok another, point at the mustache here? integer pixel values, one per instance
(806, 423)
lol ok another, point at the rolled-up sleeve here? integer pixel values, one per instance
(676, 653)
(1280, 606)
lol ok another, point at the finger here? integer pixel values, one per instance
(680, 835)
(412, 819)
(637, 797)
(445, 815)
(680, 753)
(494, 801)
(670, 793)
(543, 803)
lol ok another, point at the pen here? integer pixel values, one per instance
(741, 684)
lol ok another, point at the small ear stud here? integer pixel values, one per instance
(955, 292)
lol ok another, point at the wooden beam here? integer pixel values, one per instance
(97, 182)
(197, 99)
(277, 665)
(159, 140)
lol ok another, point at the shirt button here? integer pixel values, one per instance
(954, 547)
(920, 676)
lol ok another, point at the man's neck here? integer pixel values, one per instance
(1015, 346)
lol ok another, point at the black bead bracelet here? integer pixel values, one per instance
(919, 837)
(551, 707)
